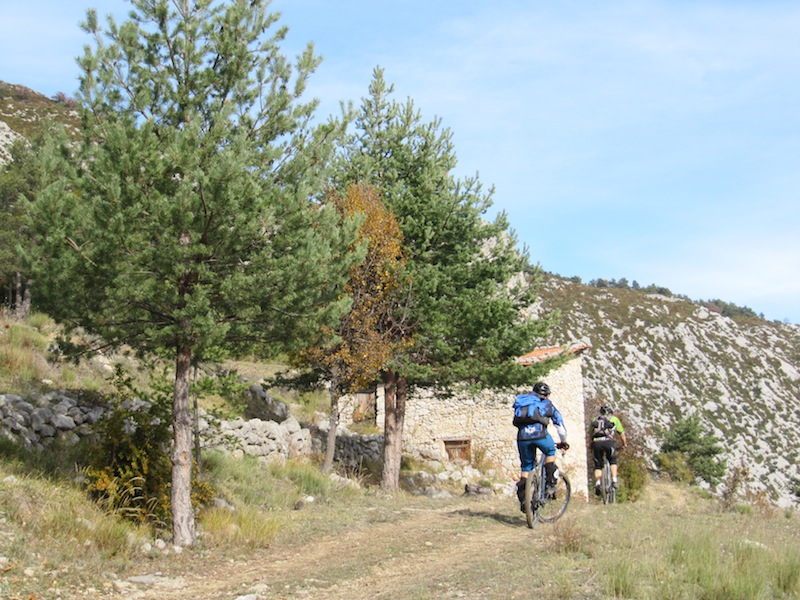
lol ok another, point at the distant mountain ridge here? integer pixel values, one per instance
(656, 358)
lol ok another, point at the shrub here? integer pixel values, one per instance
(62, 98)
(734, 483)
(633, 473)
(571, 538)
(131, 471)
(698, 449)
(676, 466)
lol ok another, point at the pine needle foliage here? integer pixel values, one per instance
(461, 302)
(188, 220)
(687, 446)
(460, 310)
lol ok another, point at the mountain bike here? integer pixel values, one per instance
(538, 505)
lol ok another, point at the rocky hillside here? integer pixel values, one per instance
(657, 358)
(23, 111)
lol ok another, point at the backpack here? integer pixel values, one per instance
(540, 413)
(603, 427)
(535, 413)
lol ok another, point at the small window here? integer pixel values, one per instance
(458, 449)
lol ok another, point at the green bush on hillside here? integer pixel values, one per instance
(633, 472)
(676, 465)
(687, 447)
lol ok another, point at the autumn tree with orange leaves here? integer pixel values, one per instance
(366, 337)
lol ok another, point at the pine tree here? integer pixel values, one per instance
(18, 179)
(461, 312)
(188, 224)
(687, 440)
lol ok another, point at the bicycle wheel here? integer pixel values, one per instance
(552, 508)
(606, 485)
(531, 493)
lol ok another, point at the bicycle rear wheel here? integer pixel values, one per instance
(552, 508)
(609, 493)
(612, 496)
(531, 494)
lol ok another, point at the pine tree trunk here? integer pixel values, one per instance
(330, 448)
(18, 295)
(395, 400)
(183, 526)
(26, 299)
(22, 298)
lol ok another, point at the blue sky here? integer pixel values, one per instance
(657, 141)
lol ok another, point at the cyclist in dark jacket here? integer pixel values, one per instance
(532, 414)
(603, 431)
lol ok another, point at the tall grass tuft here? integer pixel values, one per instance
(22, 335)
(785, 572)
(621, 579)
(715, 567)
(242, 527)
(306, 476)
(273, 486)
(571, 538)
(245, 481)
(21, 357)
(71, 525)
(41, 322)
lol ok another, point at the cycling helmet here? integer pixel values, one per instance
(606, 410)
(541, 389)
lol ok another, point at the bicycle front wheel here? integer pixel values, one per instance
(550, 509)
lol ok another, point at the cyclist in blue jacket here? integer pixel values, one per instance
(532, 414)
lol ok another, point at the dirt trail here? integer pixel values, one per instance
(415, 552)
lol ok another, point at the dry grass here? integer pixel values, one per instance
(28, 363)
(673, 544)
(244, 528)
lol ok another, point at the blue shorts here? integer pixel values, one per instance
(527, 451)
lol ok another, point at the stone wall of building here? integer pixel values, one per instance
(477, 425)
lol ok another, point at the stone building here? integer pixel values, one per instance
(476, 426)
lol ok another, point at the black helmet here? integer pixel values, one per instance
(606, 410)
(541, 389)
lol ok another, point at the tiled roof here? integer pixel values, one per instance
(541, 354)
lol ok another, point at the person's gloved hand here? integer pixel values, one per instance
(562, 446)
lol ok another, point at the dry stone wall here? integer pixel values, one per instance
(40, 421)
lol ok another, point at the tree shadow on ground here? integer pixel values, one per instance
(510, 520)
